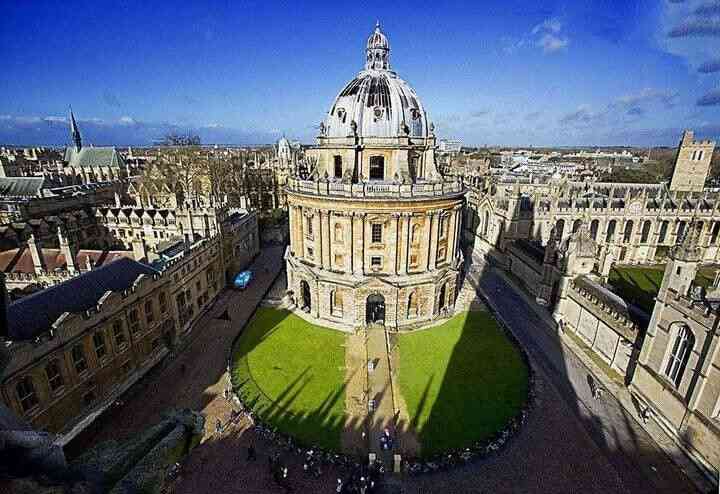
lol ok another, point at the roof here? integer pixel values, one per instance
(94, 157)
(21, 186)
(20, 260)
(32, 315)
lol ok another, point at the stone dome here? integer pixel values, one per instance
(377, 102)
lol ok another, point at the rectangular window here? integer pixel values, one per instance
(149, 311)
(338, 167)
(441, 226)
(55, 378)
(134, 321)
(78, 357)
(310, 253)
(99, 342)
(376, 261)
(119, 334)
(26, 393)
(309, 229)
(198, 286)
(163, 302)
(376, 233)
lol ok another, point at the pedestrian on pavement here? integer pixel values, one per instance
(251, 456)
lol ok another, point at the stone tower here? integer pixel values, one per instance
(692, 164)
(683, 262)
(75, 132)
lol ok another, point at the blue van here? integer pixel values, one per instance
(242, 280)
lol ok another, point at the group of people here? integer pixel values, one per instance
(362, 480)
(386, 440)
(279, 472)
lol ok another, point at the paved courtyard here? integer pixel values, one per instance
(571, 442)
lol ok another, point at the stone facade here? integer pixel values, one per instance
(678, 374)
(60, 376)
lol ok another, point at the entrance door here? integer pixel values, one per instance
(441, 302)
(305, 289)
(375, 309)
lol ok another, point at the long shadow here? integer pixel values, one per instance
(615, 446)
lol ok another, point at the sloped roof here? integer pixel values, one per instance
(94, 157)
(32, 315)
(21, 186)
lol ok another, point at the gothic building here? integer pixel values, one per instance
(82, 165)
(374, 227)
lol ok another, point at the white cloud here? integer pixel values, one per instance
(548, 25)
(548, 36)
(551, 43)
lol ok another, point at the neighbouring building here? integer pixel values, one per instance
(71, 349)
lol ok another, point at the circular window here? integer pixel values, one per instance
(378, 112)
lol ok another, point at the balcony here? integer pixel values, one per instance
(372, 190)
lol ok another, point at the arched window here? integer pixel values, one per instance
(680, 229)
(594, 227)
(645, 233)
(700, 155)
(663, 231)
(338, 233)
(25, 389)
(715, 232)
(559, 227)
(412, 309)
(336, 303)
(610, 236)
(576, 226)
(377, 168)
(627, 235)
(679, 354)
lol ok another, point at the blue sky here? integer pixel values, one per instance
(493, 72)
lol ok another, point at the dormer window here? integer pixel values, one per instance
(414, 113)
(341, 114)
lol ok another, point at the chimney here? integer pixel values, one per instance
(139, 249)
(68, 250)
(36, 254)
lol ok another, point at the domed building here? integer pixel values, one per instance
(375, 228)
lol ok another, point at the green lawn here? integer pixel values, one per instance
(291, 373)
(640, 285)
(462, 381)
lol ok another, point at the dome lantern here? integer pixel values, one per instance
(377, 51)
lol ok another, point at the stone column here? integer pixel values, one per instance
(301, 232)
(395, 247)
(405, 263)
(434, 223)
(358, 249)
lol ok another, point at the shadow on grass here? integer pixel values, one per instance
(468, 381)
(288, 384)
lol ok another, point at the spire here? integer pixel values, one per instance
(377, 52)
(75, 132)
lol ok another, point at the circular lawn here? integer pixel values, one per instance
(290, 372)
(462, 381)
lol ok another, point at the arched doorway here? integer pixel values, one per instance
(375, 309)
(441, 300)
(305, 291)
